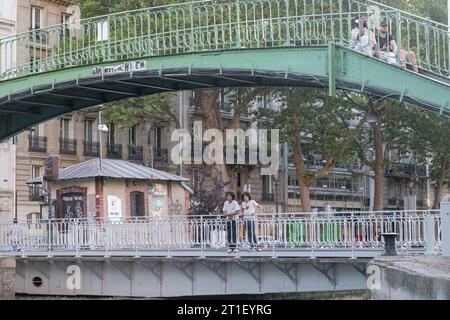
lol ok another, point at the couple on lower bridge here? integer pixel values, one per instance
(247, 210)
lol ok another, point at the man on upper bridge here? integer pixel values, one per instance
(388, 49)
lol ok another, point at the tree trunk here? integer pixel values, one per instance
(303, 182)
(378, 168)
(439, 184)
(208, 103)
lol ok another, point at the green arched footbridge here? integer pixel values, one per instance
(208, 44)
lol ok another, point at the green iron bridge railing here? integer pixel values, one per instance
(218, 25)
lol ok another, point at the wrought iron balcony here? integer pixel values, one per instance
(114, 151)
(392, 202)
(135, 153)
(225, 107)
(91, 148)
(34, 193)
(404, 169)
(39, 37)
(37, 143)
(160, 156)
(268, 197)
(67, 146)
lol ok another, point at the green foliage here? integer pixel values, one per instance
(128, 113)
(434, 9)
(321, 123)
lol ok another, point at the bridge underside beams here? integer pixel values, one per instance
(152, 277)
(31, 100)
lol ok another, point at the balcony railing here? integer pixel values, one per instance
(135, 153)
(406, 170)
(37, 143)
(91, 149)
(67, 146)
(160, 156)
(268, 197)
(114, 151)
(35, 193)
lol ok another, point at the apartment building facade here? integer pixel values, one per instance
(8, 24)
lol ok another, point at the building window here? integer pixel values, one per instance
(34, 216)
(133, 136)
(89, 130)
(111, 134)
(36, 171)
(158, 138)
(35, 18)
(65, 18)
(65, 129)
(137, 204)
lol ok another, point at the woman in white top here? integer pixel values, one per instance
(363, 39)
(249, 208)
(231, 210)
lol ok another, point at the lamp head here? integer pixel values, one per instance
(103, 128)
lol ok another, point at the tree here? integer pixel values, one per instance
(388, 134)
(128, 113)
(430, 140)
(436, 10)
(312, 122)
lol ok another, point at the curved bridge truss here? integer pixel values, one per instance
(206, 44)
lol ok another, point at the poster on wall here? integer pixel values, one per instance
(114, 208)
(158, 206)
(73, 203)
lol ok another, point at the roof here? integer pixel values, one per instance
(119, 169)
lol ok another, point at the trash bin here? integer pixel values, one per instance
(297, 232)
(330, 232)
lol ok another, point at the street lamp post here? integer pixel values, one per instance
(101, 128)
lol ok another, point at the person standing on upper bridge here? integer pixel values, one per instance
(363, 39)
(231, 210)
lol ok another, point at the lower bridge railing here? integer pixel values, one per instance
(417, 230)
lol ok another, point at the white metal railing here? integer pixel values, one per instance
(418, 230)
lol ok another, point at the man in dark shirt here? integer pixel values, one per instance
(388, 49)
(387, 46)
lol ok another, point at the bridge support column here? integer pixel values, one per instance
(331, 69)
(445, 227)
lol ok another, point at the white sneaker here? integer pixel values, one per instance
(230, 251)
(236, 251)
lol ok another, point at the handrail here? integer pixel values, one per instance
(211, 25)
(282, 233)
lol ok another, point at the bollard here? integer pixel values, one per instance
(389, 244)
(445, 226)
(429, 223)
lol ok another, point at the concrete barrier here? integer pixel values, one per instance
(409, 278)
(7, 277)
